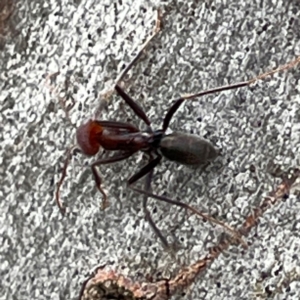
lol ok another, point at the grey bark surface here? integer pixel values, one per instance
(203, 44)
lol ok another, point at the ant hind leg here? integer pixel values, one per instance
(147, 187)
(148, 168)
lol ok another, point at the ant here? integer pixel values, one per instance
(126, 139)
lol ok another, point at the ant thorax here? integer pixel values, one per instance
(156, 138)
(143, 139)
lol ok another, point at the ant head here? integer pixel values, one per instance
(87, 136)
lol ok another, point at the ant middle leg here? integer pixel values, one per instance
(148, 168)
(156, 30)
(107, 94)
(137, 109)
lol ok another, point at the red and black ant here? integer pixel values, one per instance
(126, 139)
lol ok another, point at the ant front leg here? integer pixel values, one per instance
(149, 167)
(97, 178)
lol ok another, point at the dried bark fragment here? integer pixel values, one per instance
(107, 284)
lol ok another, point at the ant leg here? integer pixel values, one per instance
(119, 79)
(147, 187)
(149, 172)
(177, 102)
(244, 83)
(287, 66)
(170, 113)
(150, 166)
(156, 30)
(148, 217)
(133, 105)
(97, 178)
(144, 170)
(180, 100)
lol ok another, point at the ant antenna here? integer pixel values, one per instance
(69, 155)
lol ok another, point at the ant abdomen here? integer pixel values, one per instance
(187, 149)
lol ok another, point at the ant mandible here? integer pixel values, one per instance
(126, 139)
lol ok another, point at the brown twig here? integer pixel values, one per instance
(106, 283)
